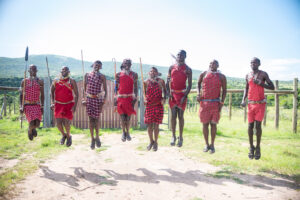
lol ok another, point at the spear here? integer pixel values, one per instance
(82, 73)
(48, 70)
(115, 67)
(24, 85)
(141, 66)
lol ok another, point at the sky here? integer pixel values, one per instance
(231, 31)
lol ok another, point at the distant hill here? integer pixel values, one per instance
(14, 67)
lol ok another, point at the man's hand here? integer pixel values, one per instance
(52, 106)
(21, 110)
(163, 101)
(133, 102)
(257, 81)
(42, 109)
(73, 109)
(243, 104)
(220, 107)
(198, 97)
(182, 99)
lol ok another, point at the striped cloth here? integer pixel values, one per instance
(32, 94)
(94, 85)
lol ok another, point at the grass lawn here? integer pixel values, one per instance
(280, 148)
(14, 144)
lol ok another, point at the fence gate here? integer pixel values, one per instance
(108, 118)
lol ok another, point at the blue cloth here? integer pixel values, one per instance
(211, 100)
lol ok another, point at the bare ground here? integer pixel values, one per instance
(123, 171)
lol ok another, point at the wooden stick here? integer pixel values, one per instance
(83, 78)
(141, 66)
(24, 86)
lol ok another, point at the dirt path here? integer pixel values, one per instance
(124, 172)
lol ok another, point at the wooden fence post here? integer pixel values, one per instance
(4, 104)
(47, 110)
(230, 105)
(14, 101)
(142, 107)
(276, 106)
(245, 113)
(265, 116)
(295, 105)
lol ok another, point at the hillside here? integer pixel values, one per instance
(14, 67)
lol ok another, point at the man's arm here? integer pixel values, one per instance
(104, 87)
(73, 82)
(189, 74)
(224, 88)
(269, 84)
(41, 82)
(21, 95)
(85, 84)
(243, 104)
(168, 82)
(135, 85)
(52, 93)
(200, 86)
(164, 91)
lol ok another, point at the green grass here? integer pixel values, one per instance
(280, 148)
(16, 145)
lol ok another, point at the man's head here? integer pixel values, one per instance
(65, 71)
(153, 72)
(255, 63)
(181, 56)
(214, 65)
(97, 65)
(126, 64)
(32, 70)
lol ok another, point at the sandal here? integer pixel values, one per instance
(63, 139)
(69, 141)
(206, 148)
(180, 141)
(173, 141)
(123, 138)
(30, 136)
(251, 152)
(212, 149)
(34, 132)
(150, 146)
(257, 153)
(128, 138)
(98, 142)
(93, 143)
(155, 145)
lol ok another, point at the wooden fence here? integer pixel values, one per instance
(275, 92)
(108, 118)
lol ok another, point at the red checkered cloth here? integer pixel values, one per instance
(32, 94)
(154, 109)
(94, 85)
(211, 88)
(178, 82)
(63, 99)
(124, 105)
(256, 112)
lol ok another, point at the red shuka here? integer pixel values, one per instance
(154, 109)
(64, 99)
(256, 112)
(178, 82)
(126, 85)
(211, 88)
